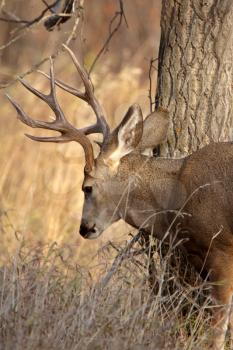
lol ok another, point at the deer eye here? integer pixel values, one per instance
(87, 190)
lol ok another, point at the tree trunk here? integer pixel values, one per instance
(195, 72)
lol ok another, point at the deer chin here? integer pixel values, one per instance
(94, 235)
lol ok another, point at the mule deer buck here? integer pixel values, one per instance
(148, 192)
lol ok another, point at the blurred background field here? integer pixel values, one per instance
(40, 184)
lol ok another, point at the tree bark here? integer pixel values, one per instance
(195, 73)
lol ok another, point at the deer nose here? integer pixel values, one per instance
(85, 230)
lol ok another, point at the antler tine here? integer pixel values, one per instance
(101, 125)
(51, 98)
(66, 87)
(91, 129)
(60, 124)
(26, 119)
(68, 133)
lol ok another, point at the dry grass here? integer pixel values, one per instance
(47, 302)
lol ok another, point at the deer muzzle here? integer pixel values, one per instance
(88, 232)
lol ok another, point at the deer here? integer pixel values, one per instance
(148, 193)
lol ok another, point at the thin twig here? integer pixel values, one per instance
(10, 15)
(78, 16)
(120, 14)
(118, 261)
(52, 8)
(151, 95)
(11, 20)
(30, 23)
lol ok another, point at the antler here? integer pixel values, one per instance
(61, 124)
(88, 96)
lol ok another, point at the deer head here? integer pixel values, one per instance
(105, 178)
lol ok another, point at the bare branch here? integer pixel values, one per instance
(29, 23)
(52, 9)
(11, 20)
(151, 95)
(123, 254)
(78, 15)
(120, 15)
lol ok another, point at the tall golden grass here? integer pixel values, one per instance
(49, 302)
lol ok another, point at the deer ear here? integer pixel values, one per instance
(130, 129)
(155, 129)
(126, 136)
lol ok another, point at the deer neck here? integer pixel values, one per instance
(153, 191)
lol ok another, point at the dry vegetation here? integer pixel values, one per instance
(48, 293)
(48, 302)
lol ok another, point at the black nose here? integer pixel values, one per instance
(83, 230)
